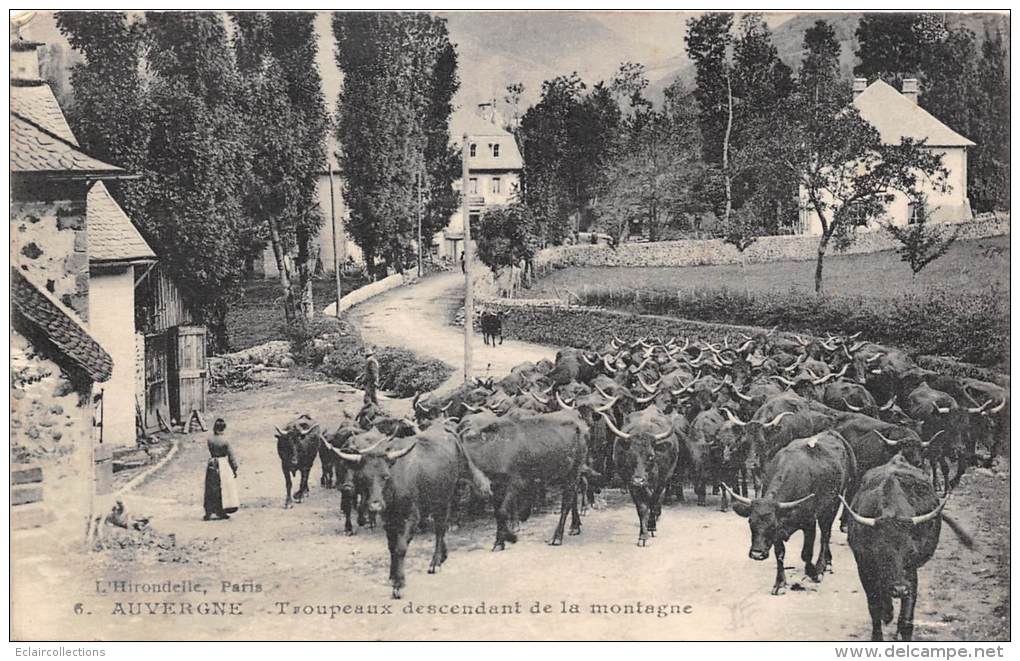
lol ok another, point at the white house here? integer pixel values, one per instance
(896, 116)
(494, 173)
(334, 212)
(118, 258)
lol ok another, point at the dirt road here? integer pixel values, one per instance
(415, 318)
(694, 582)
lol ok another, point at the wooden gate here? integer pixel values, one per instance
(187, 372)
(155, 380)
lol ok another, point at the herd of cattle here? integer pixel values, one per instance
(808, 424)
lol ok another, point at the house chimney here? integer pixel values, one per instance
(25, 61)
(910, 89)
(860, 84)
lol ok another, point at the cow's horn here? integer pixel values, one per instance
(791, 504)
(473, 409)
(800, 340)
(851, 407)
(783, 379)
(418, 405)
(733, 417)
(775, 421)
(601, 392)
(739, 394)
(863, 520)
(393, 455)
(562, 404)
(605, 361)
(979, 409)
(855, 335)
(549, 389)
(639, 400)
(605, 407)
(609, 423)
(591, 363)
(874, 358)
(663, 436)
(923, 518)
(888, 441)
(839, 374)
(279, 432)
(942, 410)
(734, 495)
(996, 409)
(743, 347)
(649, 388)
(539, 399)
(448, 405)
(888, 405)
(346, 456)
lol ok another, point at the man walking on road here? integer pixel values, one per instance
(370, 379)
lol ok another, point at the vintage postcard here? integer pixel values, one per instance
(510, 326)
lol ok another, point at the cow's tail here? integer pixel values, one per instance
(478, 479)
(965, 537)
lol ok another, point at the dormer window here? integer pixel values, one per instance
(473, 150)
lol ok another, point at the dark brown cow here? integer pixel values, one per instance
(801, 489)
(645, 457)
(297, 445)
(550, 448)
(408, 480)
(895, 526)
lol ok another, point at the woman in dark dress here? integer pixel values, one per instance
(220, 471)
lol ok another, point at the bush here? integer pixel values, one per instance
(936, 321)
(401, 372)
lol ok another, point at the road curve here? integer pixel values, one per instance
(415, 317)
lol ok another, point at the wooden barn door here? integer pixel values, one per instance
(156, 371)
(188, 374)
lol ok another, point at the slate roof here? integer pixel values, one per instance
(897, 117)
(37, 104)
(483, 132)
(61, 326)
(111, 234)
(35, 150)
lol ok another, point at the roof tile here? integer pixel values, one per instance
(37, 104)
(112, 235)
(61, 326)
(33, 150)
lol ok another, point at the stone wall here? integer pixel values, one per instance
(701, 252)
(49, 240)
(48, 416)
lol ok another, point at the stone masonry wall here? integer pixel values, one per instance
(49, 241)
(701, 252)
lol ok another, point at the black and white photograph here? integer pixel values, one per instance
(510, 325)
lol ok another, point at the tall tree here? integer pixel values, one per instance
(989, 167)
(709, 42)
(111, 115)
(819, 69)
(286, 111)
(888, 47)
(399, 72)
(200, 159)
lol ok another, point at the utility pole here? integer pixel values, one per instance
(419, 177)
(332, 217)
(469, 307)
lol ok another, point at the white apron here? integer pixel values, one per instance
(228, 486)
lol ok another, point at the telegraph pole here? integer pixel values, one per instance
(419, 177)
(469, 308)
(332, 217)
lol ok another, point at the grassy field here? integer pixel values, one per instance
(968, 266)
(257, 316)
